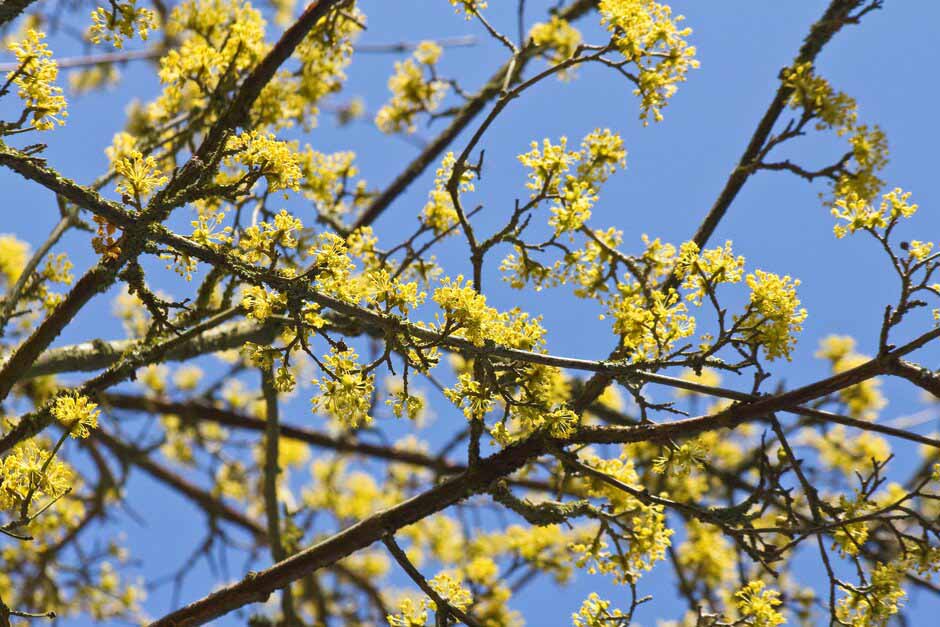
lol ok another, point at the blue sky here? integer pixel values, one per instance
(675, 170)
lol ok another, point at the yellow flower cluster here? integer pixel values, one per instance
(259, 242)
(858, 214)
(702, 272)
(218, 39)
(264, 155)
(28, 469)
(849, 537)
(466, 311)
(411, 92)
(557, 39)
(345, 390)
(414, 613)
(77, 413)
(650, 327)
(595, 612)
(681, 460)
(468, 7)
(122, 21)
(324, 56)
(601, 153)
(14, 253)
(876, 603)
(846, 453)
(324, 179)
(864, 399)
(260, 304)
(34, 77)
(774, 315)
(140, 176)
(439, 212)
(649, 37)
(647, 536)
(758, 604)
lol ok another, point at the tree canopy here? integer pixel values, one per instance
(357, 429)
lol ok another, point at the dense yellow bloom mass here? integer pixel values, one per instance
(13, 256)
(874, 606)
(345, 390)
(647, 35)
(122, 21)
(140, 175)
(601, 153)
(263, 155)
(774, 315)
(34, 77)
(650, 328)
(77, 413)
(759, 604)
(29, 470)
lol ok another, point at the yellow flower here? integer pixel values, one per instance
(23, 472)
(759, 605)
(558, 40)
(141, 175)
(76, 412)
(121, 22)
(14, 253)
(647, 35)
(774, 314)
(35, 74)
(411, 93)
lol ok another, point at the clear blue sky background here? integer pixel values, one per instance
(675, 170)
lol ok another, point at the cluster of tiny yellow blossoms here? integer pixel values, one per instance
(260, 304)
(468, 7)
(466, 312)
(122, 21)
(876, 603)
(647, 536)
(14, 254)
(864, 399)
(258, 242)
(774, 314)
(849, 537)
(702, 272)
(29, 470)
(34, 77)
(557, 40)
(856, 213)
(439, 212)
(266, 156)
(650, 327)
(77, 413)
(758, 604)
(836, 110)
(414, 613)
(411, 92)
(649, 37)
(681, 460)
(596, 612)
(345, 390)
(140, 176)
(601, 153)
